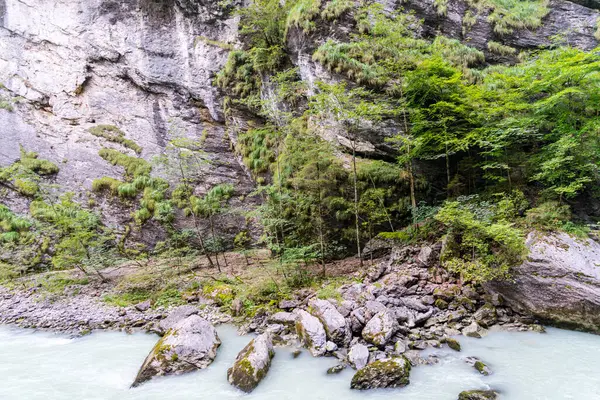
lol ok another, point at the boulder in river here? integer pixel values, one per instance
(386, 373)
(252, 363)
(311, 333)
(559, 283)
(380, 328)
(479, 365)
(358, 356)
(336, 328)
(478, 395)
(176, 315)
(453, 344)
(191, 344)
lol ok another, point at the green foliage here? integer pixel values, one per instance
(330, 291)
(25, 175)
(549, 216)
(26, 187)
(6, 105)
(211, 42)
(30, 161)
(501, 49)
(508, 15)
(57, 283)
(262, 27)
(115, 135)
(134, 167)
(108, 184)
(463, 128)
(76, 231)
(334, 9)
(12, 227)
(257, 149)
(441, 7)
(480, 246)
(302, 15)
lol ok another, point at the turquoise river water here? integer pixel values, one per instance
(527, 366)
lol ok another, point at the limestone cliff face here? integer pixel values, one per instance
(146, 66)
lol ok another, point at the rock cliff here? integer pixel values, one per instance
(147, 67)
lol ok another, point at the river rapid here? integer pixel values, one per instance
(39, 365)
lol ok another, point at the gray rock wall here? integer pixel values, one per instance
(143, 66)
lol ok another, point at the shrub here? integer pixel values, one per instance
(549, 216)
(501, 49)
(134, 166)
(106, 184)
(303, 14)
(115, 135)
(477, 249)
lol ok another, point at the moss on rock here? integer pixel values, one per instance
(387, 373)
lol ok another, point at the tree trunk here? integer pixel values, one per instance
(321, 239)
(357, 225)
(212, 230)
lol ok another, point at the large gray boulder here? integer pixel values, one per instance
(283, 318)
(336, 327)
(311, 333)
(386, 373)
(380, 329)
(358, 356)
(559, 283)
(175, 316)
(191, 344)
(252, 363)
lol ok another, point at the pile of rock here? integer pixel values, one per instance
(406, 304)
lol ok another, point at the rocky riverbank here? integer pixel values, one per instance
(85, 311)
(404, 305)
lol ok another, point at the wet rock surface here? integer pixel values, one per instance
(478, 395)
(191, 344)
(311, 333)
(252, 363)
(386, 373)
(559, 283)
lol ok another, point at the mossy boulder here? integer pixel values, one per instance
(478, 395)
(252, 363)
(486, 316)
(446, 292)
(482, 368)
(191, 344)
(311, 333)
(387, 373)
(453, 344)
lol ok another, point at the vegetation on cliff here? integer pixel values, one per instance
(478, 146)
(474, 154)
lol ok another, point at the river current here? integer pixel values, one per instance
(526, 366)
